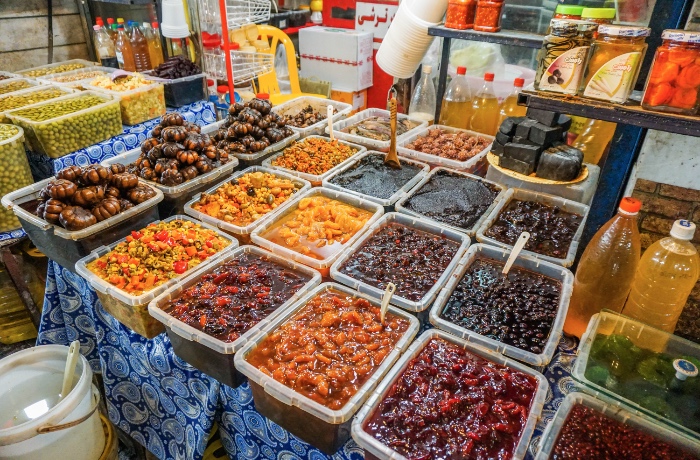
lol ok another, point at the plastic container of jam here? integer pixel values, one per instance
(313, 422)
(643, 368)
(454, 199)
(523, 271)
(375, 449)
(214, 356)
(568, 12)
(488, 16)
(538, 240)
(674, 81)
(628, 426)
(460, 14)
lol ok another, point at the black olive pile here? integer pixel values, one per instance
(176, 152)
(251, 128)
(81, 197)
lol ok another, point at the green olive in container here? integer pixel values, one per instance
(65, 124)
(14, 170)
(29, 96)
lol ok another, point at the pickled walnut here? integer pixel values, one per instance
(314, 156)
(518, 309)
(454, 146)
(589, 435)
(450, 404)
(551, 228)
(236, 296)
(411, 259)
(318, 227)
(329, 349)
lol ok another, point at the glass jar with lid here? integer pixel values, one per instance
(568, 12)
(598, 15)
(674, 81)
(616, 57)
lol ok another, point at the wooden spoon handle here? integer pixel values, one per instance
(394, 116)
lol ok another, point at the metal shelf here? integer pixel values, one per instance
(504, 37)
(630, 114)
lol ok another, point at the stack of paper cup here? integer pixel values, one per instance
(407, 39)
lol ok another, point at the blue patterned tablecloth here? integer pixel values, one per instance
(169, 407)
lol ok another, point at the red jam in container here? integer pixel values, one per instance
(488, 16)
(460, 14)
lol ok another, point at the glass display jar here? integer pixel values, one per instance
(613, 67)
(674, 80)
(598, 15)
(460, 14)
(568, 12)
(488, 16)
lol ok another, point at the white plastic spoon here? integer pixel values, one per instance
(519, 245)
(386, 298)
(71, 362)
(329, 117)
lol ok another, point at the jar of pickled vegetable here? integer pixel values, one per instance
(616, 56)
(562, 58)
(460, 14)
(674, 80)
(488, 16)
(568, 12)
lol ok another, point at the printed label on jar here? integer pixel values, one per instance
(613, 81)
(564, 74)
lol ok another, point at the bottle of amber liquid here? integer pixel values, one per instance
(125, 55)
(457, 106)
(485, 109)
(510, 107)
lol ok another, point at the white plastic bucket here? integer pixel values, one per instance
(33, 426)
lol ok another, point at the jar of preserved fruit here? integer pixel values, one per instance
(674, 80)
(460, 14)
(616, 56)
(568, 12)
(488, 16)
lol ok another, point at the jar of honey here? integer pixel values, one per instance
(616, 57)
(488, 16)
(460, 14)
(568, 12)
(674, 80)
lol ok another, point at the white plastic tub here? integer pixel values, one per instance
(436, 161)
(243, 233)
(296, 105)
(550, 200)
(17, 95)
(10, 85)
(375, 449)
(460, 239)
(372, 143)
(500, 254)
(213, 356)
(53, 78)
(315, 423)
(49, 68)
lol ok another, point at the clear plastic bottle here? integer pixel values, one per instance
(485, 109)
(125, 55)
(667, 273)
(594, 139)
(423, 101)
(111, 29)
(457, 106)
(105, 47)
(155, 51)
(139, 47)
(510, 107)
(606, 269)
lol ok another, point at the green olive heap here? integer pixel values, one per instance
(12, 86)
(14, 171)
(12, 101)
(51, 70)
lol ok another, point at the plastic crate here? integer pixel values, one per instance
(15, 173)
(243, 233)
(315, 423)
(130, 310)
(182, 91)
(296, 105)
(427, 226)
(499, 254)
(375, 449)
(388, 203)
(140, 104)
(40, 71)
(550, 200)
(17, 95)
(367, 142)
(67, 247)
(56, 137)
(436, 161)
(12, 85)
(315, 180)
(213, 356)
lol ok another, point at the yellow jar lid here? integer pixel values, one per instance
(598, 13)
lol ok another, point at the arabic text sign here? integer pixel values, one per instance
(375, 18)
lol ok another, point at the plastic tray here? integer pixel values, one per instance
(389, 202)
(258, 158)
(4, 83)
(69, 124)
(33, 89)
(551, 200)
(419, 224)
(321, 265)
(371, 143)
(434, 160)
(316, 424)
(176, 197)
(9, 74)
(632, 419)
(316, 180)
(16, 173)
(295, 106)
(500, 254)
(642, 336)
(181, 91)
(375, 448)
(82, 83)
(243, 233)
(470, 231)
(130, 310)
(138, 105)
(48, 67)
(66, 247)
(212, 356)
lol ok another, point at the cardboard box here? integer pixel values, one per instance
(342, 56)
(358, 99)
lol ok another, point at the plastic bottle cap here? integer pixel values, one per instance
(683, 230)
(427, 69)
(519, 82)
(120, 27)
(488, 76)
(154, 25)
(120, 20)
(222, 89)
(684, 369)
(598, 13)
(630, 206)
(235, 46)
(569, 10)
(461, 70)
(96, 27)
(263, 96)
(110, 21)
(210, 82)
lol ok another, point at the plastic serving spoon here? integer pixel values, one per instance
(386, 298)
(69, 373)
(519, 245)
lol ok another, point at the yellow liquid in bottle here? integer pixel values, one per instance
(486, 115)
(594, 139)
(510, 108)
(155, 51)
(456, 114)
